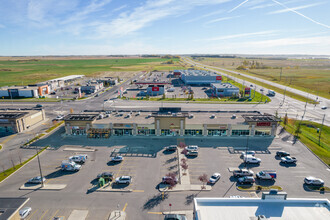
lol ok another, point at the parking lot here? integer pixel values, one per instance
(147, 164)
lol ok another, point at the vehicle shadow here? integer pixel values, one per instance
(171, 160)
(59, 173)
(119, 186)
(191, 157)
(265, 182)
(167, 152)
(233, 179)
(248, 165)
(288, 164)
(113, 163)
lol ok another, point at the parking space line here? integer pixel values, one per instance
(30, 217)
(156, 213)
(43, 215)
(125, 207)
(119, 170)
(53, 216)
(137, 190)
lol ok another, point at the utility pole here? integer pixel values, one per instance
(284, 96)
(42, 179)
(321, 130)
(281, 73)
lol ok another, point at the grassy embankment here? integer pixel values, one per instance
(30, 71)
(8, 172)
(312, 76)
(310, 137)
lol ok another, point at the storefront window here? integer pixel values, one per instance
(146, 132)
(262, 133)
(216, 132)
(193, 132)
(168, 132)
(78, 131)
(123, 132)
(240, 132)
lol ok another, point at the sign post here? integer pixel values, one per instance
(170, 207)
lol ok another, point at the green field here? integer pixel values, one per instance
(310, 137)
(309, 75)
(24, 72)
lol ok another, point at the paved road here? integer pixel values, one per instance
(293, 107)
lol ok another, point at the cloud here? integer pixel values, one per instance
(302, 15)
(260, 33)
(221, 19)
(205, 16)
(294, 8)
(119, 8)
(238, 6)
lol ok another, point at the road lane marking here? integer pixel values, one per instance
(156, 213)
(54, 215)
(8, 139)
(125, 207)
(32, 214)
(137, 190)
(43, 215)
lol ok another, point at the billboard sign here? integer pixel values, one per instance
(247, 90)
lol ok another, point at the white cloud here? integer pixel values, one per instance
(221, 19)
(294, 8)
(120, 8)
(260, 33)
(242, 3)
(205, 16)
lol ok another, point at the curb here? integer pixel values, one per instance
(255, 190)
(22, 167)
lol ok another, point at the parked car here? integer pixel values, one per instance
(174, 217)
(124, 180)
(246, 180)
(267, 175)
(36, 180)
(251, 159)
(193, 153)
(59, 117)
(288, 159)
(192, 148)
(70, 166)
(310, 180)
(117, 159)
(242, 172)
(171, 148)
(38, 106)
(214, 178)
(248, 153)
(78, 158)
(282, 154)
(24, 212)
(168, 179)
(105, 175)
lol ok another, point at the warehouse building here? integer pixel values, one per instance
(15, 121)
(199, 77)
(224, 90)
(154, 90)
(173, 122)
(272, 205)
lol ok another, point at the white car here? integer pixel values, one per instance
(78, 158)
(214, 178)
(124, 180)
(59, 117)
(192, 148)
(310, 180)
(24, 212)
(324, 107)
(288, 159)
(247, 153)
(117, 159)
(36, 180)
(251, 159)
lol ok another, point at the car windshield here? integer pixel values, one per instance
(214, 177)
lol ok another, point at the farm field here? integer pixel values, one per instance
(309, 75)
(29, 71)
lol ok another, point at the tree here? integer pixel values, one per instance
(203, 178)
(285, 119)
(163, 97)
(182, 145)
(172, 180)
(184, 165)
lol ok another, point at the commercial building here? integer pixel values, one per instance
(108, 81)
(15, 121)
(199, 77)
(224, 90)
(9, 208)
(19, 92)
(177, 74)
(154, 90)
(272, 205)
(173, 122)
(92, 87)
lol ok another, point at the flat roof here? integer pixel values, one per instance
(251, 208)
(10, 205)
(121, 117)
(260, 118)
(198, 73)
(66, 78)
(224, 86)
(12, 115)
(81, 117)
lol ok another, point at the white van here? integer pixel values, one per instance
(70, 166)
(251, 159)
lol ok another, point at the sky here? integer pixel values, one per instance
(119, 27)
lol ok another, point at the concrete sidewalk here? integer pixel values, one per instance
(117, 215)
(45, 187)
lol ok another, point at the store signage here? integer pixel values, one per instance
(263, 123)
(155, 88)
(247, 90)
(218, 77)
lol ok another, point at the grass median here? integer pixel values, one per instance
(55, 126)
(8, 172)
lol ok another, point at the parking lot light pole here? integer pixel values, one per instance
(42, 180)
(246, 149)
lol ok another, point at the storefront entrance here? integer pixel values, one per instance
(123, 132)
(216, 132)
(170, 132)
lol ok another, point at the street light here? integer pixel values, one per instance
(246, 149)
(42, 180)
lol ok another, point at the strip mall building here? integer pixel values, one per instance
(171, 122)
